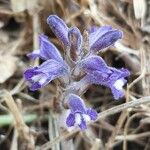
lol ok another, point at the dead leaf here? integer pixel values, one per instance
(139, 8)
(22, 5)
(7, 67)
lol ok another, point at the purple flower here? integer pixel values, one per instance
(99, 73)
(45, 73)
(103, 37)
(52, 68)
(59, 28)
(79, 114)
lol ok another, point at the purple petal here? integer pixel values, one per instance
(83, 125)
(97, 77)
(76, 104)
(99, 32)
(34, 54)
(104, 37)
(30, 72)
(75, 39)
(70, 121)
(47, 50)
(118, 73)
(35, 86)
(117, 93)
(52, 67)
(36, 80)
(43, 74)
(59, 28)
(92, 113)
(93, 63)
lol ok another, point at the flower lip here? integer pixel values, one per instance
(97, 72)
(79, 114)
(45, 73)
(113, 81)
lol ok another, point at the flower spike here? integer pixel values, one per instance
(80, 68)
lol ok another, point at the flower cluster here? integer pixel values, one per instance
(78, 66)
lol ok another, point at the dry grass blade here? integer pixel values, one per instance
(134, 136)
(97, 145)
(21, 127)
(58, 139)
(7, 68)
(139, 8)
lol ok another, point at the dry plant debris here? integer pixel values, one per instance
(29, 120)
